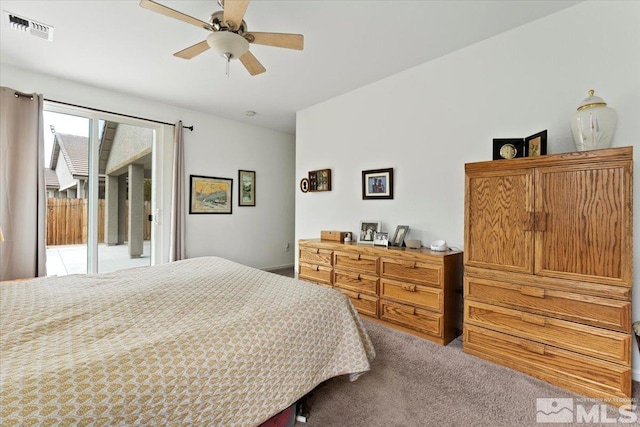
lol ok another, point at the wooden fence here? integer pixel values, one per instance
(67, 221)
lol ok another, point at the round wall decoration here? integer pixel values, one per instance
(304, 185)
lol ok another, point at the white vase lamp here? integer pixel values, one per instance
(593, 124)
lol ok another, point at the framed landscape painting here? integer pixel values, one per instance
(210, 195)
(246, 188)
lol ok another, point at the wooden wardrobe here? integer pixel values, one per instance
(548, 268)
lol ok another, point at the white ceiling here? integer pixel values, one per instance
(117, 45)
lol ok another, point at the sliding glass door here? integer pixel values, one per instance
(98, 173)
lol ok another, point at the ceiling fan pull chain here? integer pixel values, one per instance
(228, 58)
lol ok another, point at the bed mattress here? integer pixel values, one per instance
(203, 341)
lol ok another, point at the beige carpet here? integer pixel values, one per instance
(414, 382)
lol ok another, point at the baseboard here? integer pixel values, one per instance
(278, 267)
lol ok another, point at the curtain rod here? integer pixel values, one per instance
(24, 95)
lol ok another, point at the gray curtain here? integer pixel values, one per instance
(176, 242)
(22, 188)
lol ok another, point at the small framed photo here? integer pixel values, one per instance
(246, 188)
(381, 239)
(320, 180)
(377, 184)
(210, 195)
(399, 235)
(536, 145)
(509, 148)
(368, 230)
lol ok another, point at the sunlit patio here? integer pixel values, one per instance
(72, 259)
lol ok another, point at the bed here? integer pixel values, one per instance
(203, 341)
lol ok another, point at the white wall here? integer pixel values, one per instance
(427, 122)
(218, 147)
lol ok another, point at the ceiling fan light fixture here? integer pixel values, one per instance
(227, 44)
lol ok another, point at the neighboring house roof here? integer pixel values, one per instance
(75, 150)
(51, 179)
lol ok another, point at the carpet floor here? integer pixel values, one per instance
(414, 382)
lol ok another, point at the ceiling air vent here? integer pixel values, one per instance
(29, 26)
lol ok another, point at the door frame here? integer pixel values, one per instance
(162, 155)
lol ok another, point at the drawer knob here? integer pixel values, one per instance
(316, 267)
(355, 257)
(533, 319)
(532, 291)
(317, 250)
(409, 288)
(532, 347)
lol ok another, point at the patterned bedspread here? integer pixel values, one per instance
(203, 341)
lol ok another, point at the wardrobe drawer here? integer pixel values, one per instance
(412, 271)
(589, 340)
(364, 303)
(315, 273)
(356, 262)
(357, 282)
(592, 310)
(423, 296)
(316, 255)
(414, 318)
(583, 374)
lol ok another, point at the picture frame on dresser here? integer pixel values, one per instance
(381, 239)
(367, 231)
(399, 236)
(536, 145)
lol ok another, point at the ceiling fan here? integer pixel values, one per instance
(229, 36)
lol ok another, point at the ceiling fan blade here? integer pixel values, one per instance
(171, 13)
(252, 65)
(192, 51)
(289, 41)
(234, 11)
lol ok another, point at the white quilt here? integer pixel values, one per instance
(203, 341)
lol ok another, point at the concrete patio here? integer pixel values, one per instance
(72, 259)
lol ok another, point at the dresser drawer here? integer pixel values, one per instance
(315, 273)
(417, 319)
(316, 255)
(364, 303)
(357, 282)
(584, 374)
(589, 340)
(412, 271)
(596, 311)
(356, 262)
(410, 293)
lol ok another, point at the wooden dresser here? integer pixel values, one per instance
(414, 290)
(548, 268)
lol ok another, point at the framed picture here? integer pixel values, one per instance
(246, 188)
(381, 239)
(210, 195)
(377, 184)
(320, 180)
(399, 235)
(368, 230)
(536, 145)
(509, 148)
